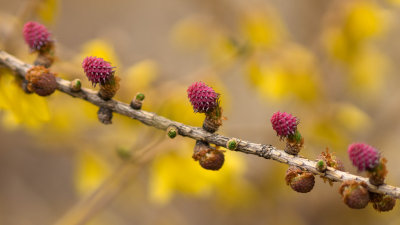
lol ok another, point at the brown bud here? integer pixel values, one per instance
(213, 119)
(41, 81)
(45, 59)
(24, 86)
(109, 88)
(377, 174)
(299, 180)
(331, 160)
(294, 146)
(354, 194)
(382, 203)
(104, 115)
(208, 157)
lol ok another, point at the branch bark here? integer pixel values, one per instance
(151, 119)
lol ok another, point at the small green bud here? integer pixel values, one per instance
(232, 144)
(321, 166)
(140, 96)
(172, 131)
(137, 102)
(76, 85)
(296, 137)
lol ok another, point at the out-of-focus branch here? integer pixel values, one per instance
(151, 119)
(90, 205)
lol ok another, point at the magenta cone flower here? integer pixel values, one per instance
(284, 124)
(36, 35)
(97, 70)
(363, 156)
(203, 98)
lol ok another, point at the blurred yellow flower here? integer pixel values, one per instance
(262, 28)
(192, 33)
(364, 20)
(338, 46)
(199, 33)
(140, 75)
(223, 49)
(367, 72)
(352, 118)
(394, 2)
(90, 171)
(29, 110)
(48, 10)
(291, 72)
(176, 172)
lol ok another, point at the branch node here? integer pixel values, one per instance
(105, 115)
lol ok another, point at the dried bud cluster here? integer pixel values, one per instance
(208, 157)
(203, 98)
(331, 160)
(299, 180)
(41, 81)
(378, 174)
(294, 143)
(110, 88)
(382, 203)
(97, 70)
(37, 36)
(355, 194)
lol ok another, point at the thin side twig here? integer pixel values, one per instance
(151, 119)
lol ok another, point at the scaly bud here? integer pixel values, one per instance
(208, 157)
(382, 203)
(378, 174)
(299, 180)
(41, 81)
(355, 194)
(104, 115)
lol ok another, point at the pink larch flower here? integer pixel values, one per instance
(284, 124)
(36, 36)
(363, 156)
(203, 98)
(97, 70)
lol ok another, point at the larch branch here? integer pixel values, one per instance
(151, 119)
